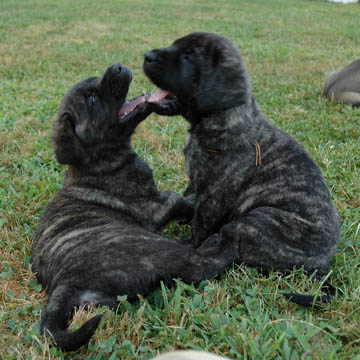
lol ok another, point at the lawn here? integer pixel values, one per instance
(288, 47)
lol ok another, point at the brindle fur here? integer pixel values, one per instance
(97, 238)
(253, 182)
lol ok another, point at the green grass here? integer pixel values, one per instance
(288, 47)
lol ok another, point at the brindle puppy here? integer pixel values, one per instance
(97, 238)
(253, 182)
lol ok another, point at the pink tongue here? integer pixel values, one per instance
(131, 105)
(159, 95)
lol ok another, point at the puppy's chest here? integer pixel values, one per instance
(206, 165)
(276, 162)
(196, 159)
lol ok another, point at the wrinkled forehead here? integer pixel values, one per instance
(80, 90)
(206, 42)
(192, 40)
(83, 87)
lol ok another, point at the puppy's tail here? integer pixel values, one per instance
(312, 300)
(58, 312)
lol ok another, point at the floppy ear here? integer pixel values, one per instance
(224, 82)
(68, 149)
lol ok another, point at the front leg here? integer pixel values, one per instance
(200, 229)
(210, 214)
(190, 190)
(200, 232)
(198, 237)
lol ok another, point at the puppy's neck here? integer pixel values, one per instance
(104, 164)
(222, 130)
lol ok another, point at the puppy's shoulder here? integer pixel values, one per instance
(278, 145)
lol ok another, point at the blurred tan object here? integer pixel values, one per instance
(344, 1)
(188, 355)
(344, 85)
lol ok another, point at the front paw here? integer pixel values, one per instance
(210, 246)
(188, 209)
(222, 247)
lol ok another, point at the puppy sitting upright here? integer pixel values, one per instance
(96, 239)
(253, 182)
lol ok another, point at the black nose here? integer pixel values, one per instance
(150, 56)
(118, 68)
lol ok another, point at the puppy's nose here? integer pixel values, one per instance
(118, 68)
(150, 56)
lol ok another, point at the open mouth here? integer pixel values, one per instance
(130, 106)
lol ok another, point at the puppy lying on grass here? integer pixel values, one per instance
(97, 238)
(344, 85)
(252, 181)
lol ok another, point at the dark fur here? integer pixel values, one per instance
(253, 182)
(97, 238)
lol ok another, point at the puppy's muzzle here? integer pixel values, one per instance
(152, 57)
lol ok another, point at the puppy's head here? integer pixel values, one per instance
(94, 115)
(204, 70)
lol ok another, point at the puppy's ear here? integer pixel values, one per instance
(68, 148)
(224, 82)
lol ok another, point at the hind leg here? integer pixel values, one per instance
(270, 238)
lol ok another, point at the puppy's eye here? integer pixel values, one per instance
(92, 99)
